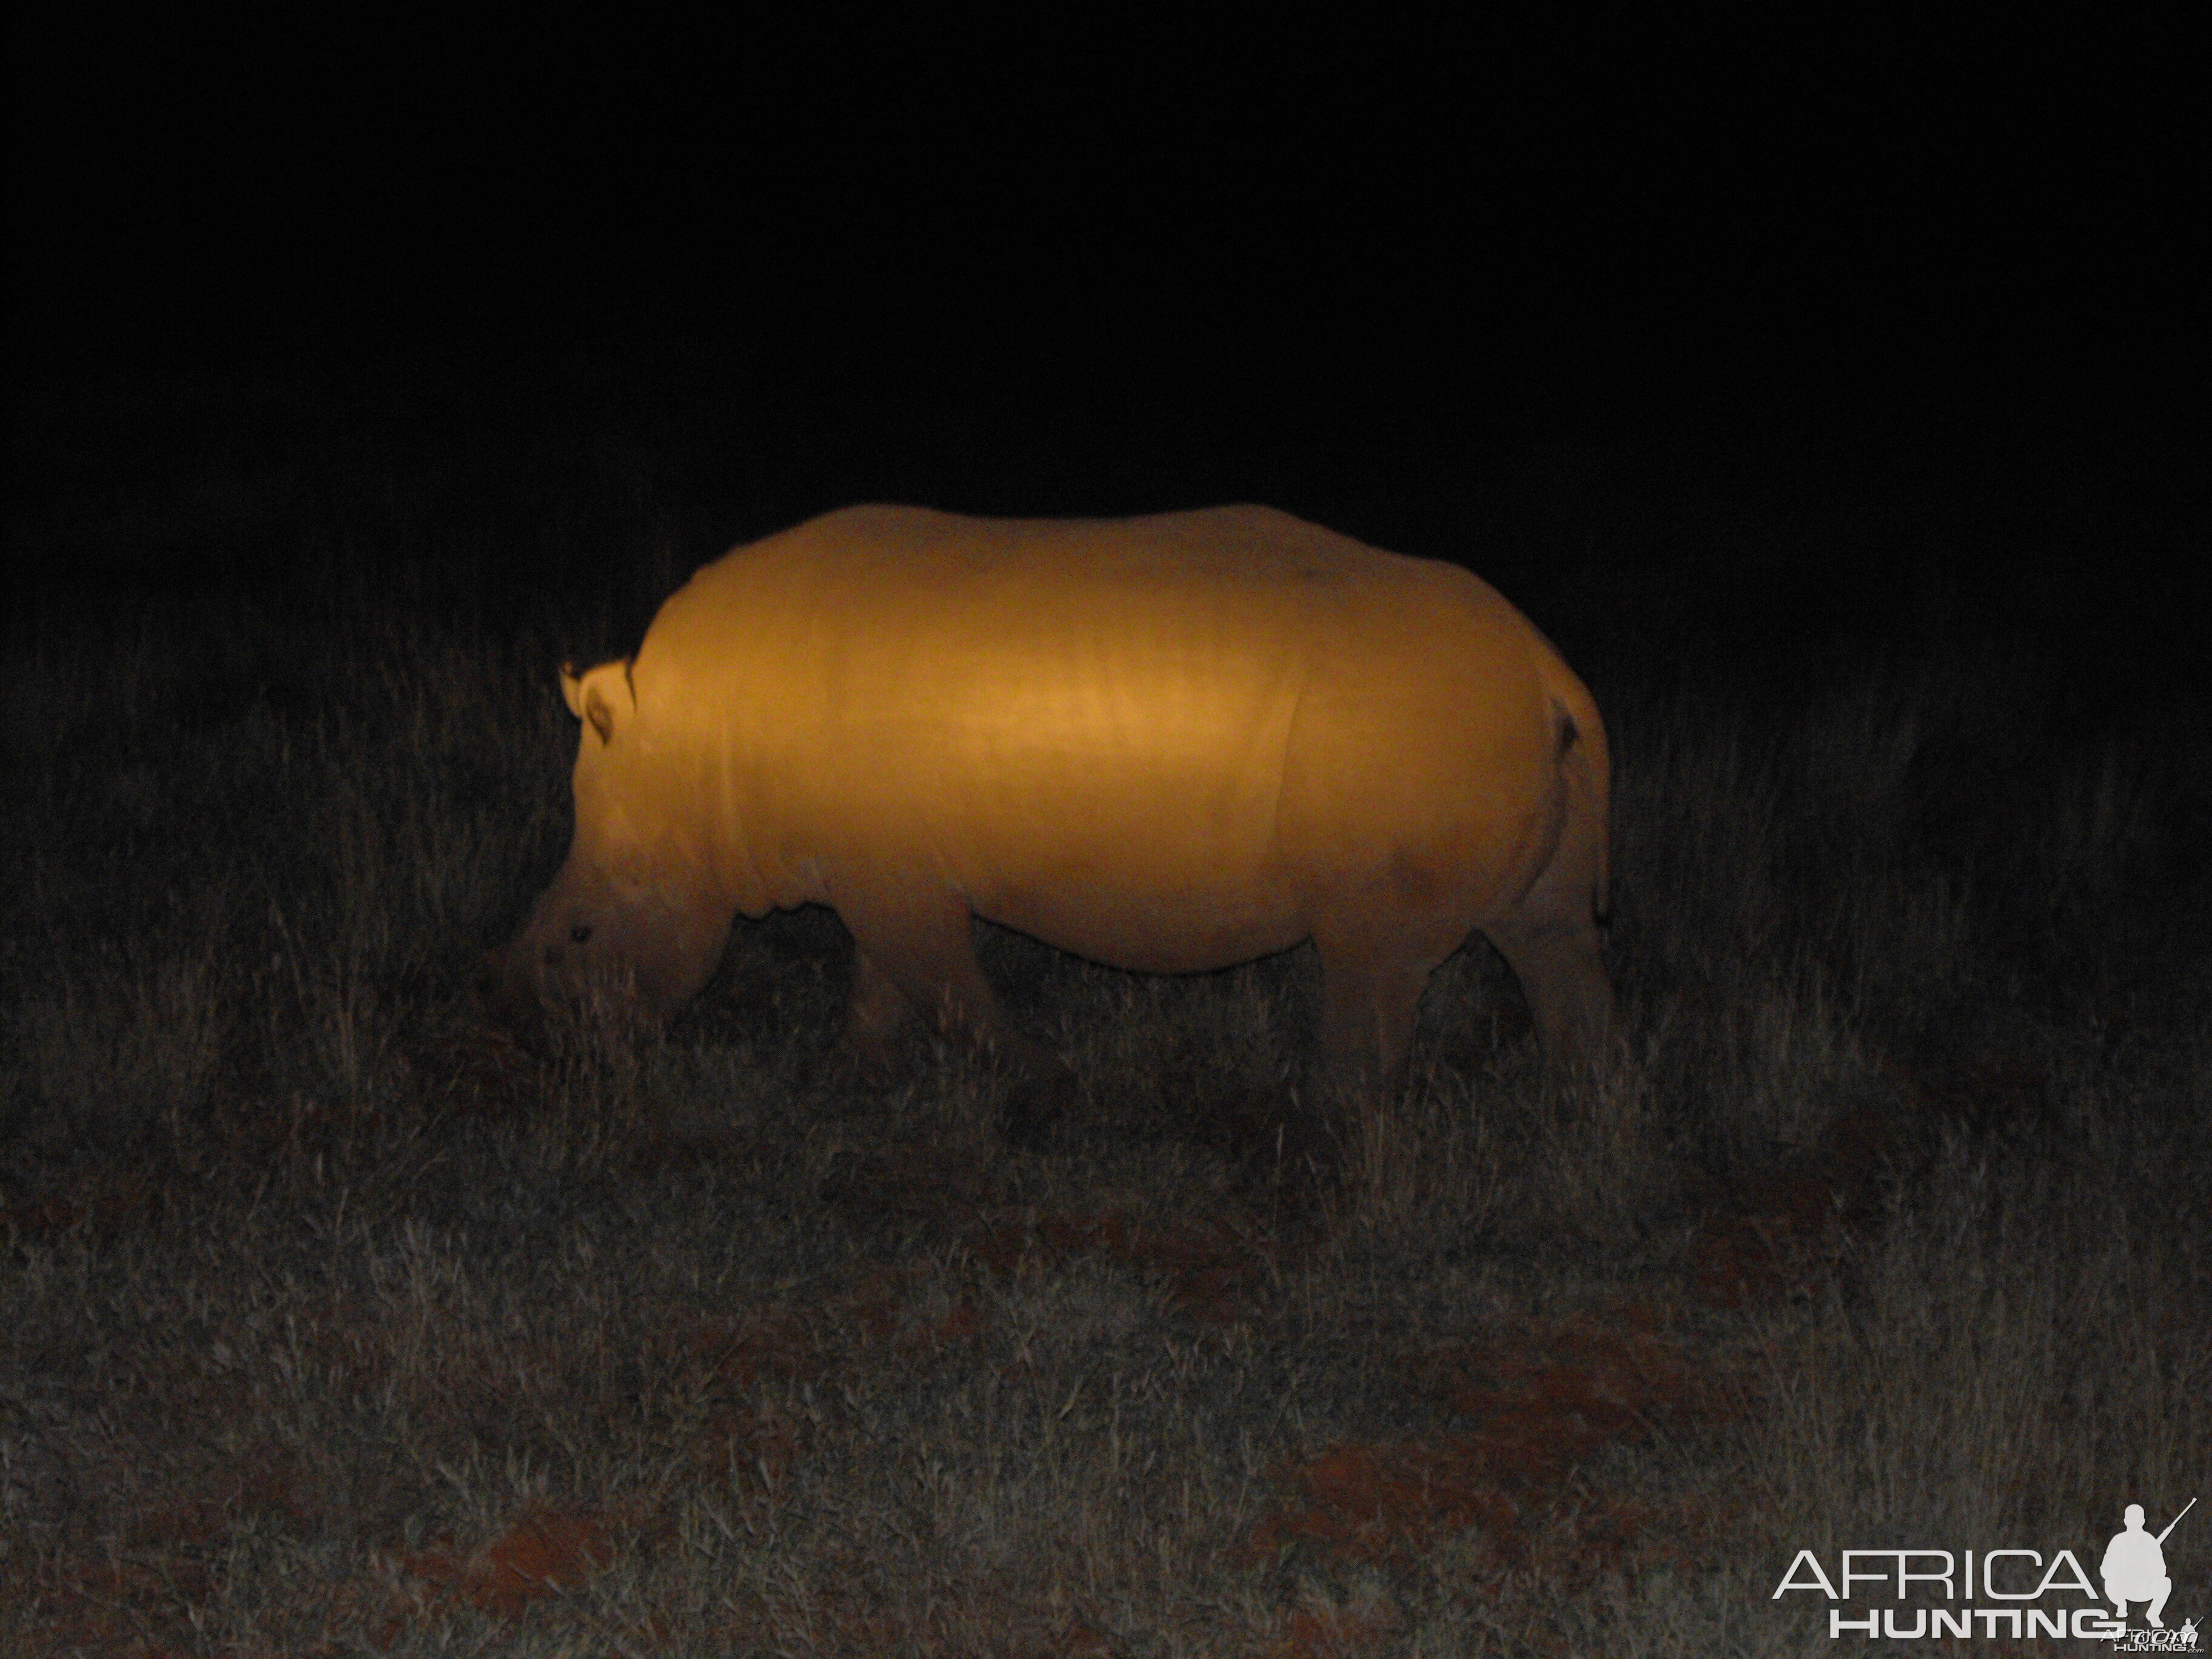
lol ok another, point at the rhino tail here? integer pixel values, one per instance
(1585, 767)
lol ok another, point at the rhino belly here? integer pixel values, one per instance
(1156, 929)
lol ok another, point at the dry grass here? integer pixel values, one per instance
(330, 1322)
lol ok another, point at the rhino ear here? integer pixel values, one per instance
(602, 698)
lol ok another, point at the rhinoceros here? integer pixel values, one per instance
(1168, 744)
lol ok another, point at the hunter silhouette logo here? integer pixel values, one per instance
(2134, 1569)
(2134, 1566)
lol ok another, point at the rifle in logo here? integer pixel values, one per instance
(2176, 1521)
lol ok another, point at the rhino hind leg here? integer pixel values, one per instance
(1551, 939)
(1561, 969)
(1563, 977)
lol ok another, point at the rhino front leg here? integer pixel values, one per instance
(919, 956)
(876, 1012)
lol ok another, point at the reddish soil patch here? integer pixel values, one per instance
(1545, 1396)
(541, 1554)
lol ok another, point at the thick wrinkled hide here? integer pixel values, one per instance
(1167, 744)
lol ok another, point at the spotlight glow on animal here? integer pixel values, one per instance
(1167, 744)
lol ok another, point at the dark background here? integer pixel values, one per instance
(1706, 348)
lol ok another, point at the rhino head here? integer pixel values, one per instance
(629, 921)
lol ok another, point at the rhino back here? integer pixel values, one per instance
(1160, 741)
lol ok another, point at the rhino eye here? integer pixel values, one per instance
(581, 932)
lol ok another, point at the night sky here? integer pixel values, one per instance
(1451, 295)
